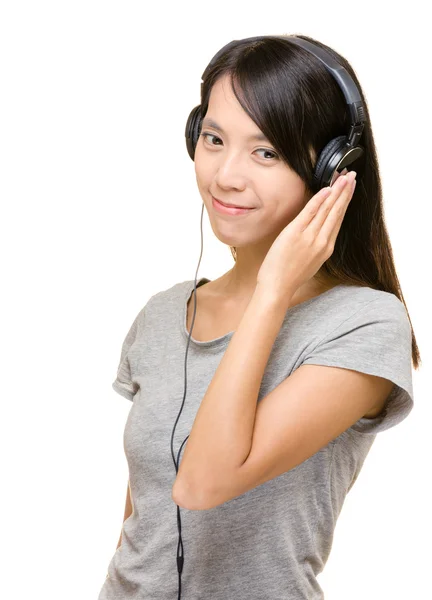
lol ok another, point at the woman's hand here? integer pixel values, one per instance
(307, 242)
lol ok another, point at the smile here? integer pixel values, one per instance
(229, 210)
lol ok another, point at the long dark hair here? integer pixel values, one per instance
(298, 105)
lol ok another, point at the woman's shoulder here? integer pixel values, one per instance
(371, 294)
(364, 305)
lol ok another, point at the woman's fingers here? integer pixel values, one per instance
(329, 219)
(316, 210)
(306, 216)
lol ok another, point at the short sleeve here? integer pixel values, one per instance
(375, 340)
(123, 383)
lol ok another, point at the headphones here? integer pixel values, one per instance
(339, 153)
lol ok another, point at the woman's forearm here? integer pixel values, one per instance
(221, 436)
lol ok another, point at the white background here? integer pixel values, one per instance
(100, 210)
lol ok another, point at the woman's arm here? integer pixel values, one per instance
(221, 436)
(128, 511)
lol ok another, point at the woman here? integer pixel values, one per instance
(300, 354)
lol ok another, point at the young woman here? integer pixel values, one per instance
(297, 357)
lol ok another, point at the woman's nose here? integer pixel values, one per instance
(231, 172)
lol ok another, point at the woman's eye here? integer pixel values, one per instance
(270, 151)
(205, 135)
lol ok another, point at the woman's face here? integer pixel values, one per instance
(237, 169)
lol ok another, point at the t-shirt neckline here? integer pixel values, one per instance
(224, 339)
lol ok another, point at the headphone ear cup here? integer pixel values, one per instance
(328, 160)
(192, 131)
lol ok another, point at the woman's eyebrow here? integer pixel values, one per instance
(207, 122)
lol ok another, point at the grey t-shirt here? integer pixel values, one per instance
(271, 542)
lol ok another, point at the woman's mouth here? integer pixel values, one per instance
(229, 210)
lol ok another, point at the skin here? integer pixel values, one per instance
(246, 172)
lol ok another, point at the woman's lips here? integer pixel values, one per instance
(229, 210)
